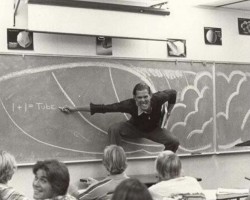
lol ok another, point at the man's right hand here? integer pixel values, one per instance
(66, 109)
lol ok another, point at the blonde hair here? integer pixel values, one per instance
(114, 159)
(168, 165)
(7, 166)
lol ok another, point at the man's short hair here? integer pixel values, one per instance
(8, 166)
(114, 159)
(140, 87)
(168, 165)
(57, 175)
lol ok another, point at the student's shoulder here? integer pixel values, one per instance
(10, 192)
(158, 185)
(190, 178)
(192, 181)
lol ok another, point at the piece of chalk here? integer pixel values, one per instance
(61, 108)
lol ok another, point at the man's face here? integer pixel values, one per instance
(42, 187)
(143, 99)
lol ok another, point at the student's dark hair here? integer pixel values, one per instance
(140, 87)
(131, 189)
(57, 175)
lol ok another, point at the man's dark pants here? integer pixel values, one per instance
(121, 130)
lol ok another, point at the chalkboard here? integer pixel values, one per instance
(33, 87)
(232, 106)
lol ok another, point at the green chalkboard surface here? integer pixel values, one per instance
(33, 87)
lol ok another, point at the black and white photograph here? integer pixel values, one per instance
(244, 26)
(103, 45)
(213, 36)
(176, 48)
(124, 100)
(19, 39)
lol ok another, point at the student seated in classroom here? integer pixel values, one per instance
(8, 167)
(171, 184)
(115, 162)
(131, 189)
(51, 181)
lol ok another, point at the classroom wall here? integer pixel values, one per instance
(222, 170)
(182, 23)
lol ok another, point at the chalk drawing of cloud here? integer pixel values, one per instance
(200, 96)
(231, 75)
(200, 131)
(230, 98)
(246, 117)
(200, 76)
(196, 149)
(179, 105)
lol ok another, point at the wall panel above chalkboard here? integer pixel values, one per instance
(97, 22)
(33, 87)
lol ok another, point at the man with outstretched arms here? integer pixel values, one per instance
(145, 109)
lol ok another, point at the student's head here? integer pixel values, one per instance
(114, 159)
(7, 166)
(142, 95)
(51, 179)
(168, 165)
(131, 189)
